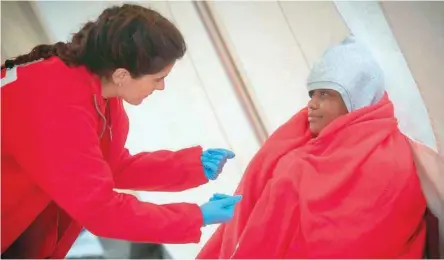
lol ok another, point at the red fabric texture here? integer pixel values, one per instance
(351, 192)
(59, 175)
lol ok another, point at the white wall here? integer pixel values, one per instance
(419, 29)
(274, 45)
(267, 55)
(19, 34)
(366, 21)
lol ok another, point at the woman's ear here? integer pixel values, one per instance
(120, 75)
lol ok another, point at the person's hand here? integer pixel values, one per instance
(218, 196)
(213, 161)
(219, 209)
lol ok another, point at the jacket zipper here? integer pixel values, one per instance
(108, 110)
(105, 121)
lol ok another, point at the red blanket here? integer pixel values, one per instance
(351, 192)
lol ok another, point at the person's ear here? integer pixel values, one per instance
(120, 75)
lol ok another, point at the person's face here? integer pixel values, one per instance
(324, 107)
(135, 90)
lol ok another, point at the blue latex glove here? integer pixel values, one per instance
(218, 196)
(213, 161)
(219, 210)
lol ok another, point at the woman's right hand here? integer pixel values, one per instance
(219, 209)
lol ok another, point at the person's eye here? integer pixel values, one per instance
(324, 93)
(160, 79)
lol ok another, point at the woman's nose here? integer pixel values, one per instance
(160, 86)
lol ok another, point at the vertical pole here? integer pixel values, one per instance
(207, 17)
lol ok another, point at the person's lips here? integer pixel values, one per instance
(313, 117)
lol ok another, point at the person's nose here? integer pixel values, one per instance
(313, 103)
(160, 86)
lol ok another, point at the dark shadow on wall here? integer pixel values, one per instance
(89, 246)
(118, 249)
(21, 29)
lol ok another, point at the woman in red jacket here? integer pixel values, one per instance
(63, 134)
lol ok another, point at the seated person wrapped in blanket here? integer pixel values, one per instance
(336, 181)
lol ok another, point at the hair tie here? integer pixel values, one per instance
(9, 64)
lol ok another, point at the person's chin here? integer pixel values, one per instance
(134, 102)
(314, 128)
(138, 102)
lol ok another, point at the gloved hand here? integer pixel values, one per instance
(213, 160)
(218, 196)
(219, 209)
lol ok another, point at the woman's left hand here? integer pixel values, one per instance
(213, 161)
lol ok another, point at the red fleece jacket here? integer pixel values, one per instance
(60, 165)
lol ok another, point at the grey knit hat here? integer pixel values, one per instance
(350, 69)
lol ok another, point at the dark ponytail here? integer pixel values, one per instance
(42, 51)
(128, 36)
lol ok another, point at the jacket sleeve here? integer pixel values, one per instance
(160, 170)
(59, 148)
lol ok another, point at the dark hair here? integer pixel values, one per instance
(128, 36)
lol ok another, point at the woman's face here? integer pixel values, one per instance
(324, 107)
(135, 90)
